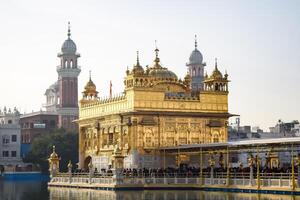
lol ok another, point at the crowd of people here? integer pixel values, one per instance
(185, 171)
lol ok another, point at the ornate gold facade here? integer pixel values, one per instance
(155, 110)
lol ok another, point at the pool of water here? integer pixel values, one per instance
(37, 190)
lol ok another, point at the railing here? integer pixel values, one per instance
(282, 180)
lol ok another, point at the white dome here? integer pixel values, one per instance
(196, 58)
(69, 47)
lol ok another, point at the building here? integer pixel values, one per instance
(285, 128)
(155, 110)
(62, 96)
(10, 135)
(61, 107)
(35, 124)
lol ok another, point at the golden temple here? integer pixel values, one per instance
(156, 110)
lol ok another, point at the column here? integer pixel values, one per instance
(251, 163)
(257, 168)
(228, 167)
(201, 166)
(212, 164)
(293, 169)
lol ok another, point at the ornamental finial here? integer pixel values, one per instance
(216, 63)
(90, 72)
(137, 58)
(196, 41)
(53, 148)
(69, 30)
(156, 49)
(156, 54)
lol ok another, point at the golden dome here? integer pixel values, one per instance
(160, 72)
(216, 73)
(90, 89)
(137, 68)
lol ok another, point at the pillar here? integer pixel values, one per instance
(258, 173)
(293, 169)
(228, 171)
(251, 164)
(212, 164)
(91, 171)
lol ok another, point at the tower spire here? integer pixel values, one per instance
(196, 41)
(90, 72)
(69, 30)
(216, 63)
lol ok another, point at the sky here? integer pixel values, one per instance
(257, 42)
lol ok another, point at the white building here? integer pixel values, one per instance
(10, 137)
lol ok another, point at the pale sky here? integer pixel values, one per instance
(258, 42)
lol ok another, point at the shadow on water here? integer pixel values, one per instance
(37, 190)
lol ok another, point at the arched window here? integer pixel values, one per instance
(71, 64)
(66, 64)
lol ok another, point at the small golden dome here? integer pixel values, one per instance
(137, 68)
(90, 89)
(216, 73)
(161, 72)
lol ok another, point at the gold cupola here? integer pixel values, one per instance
(216, 81)
(159, 72)
(137, 68)
(90, 91)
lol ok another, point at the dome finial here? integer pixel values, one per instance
(69, 30)
(156, 54)
(137, 58)
(196, 41)
(90, 72)
(156, 49)
(216, 63)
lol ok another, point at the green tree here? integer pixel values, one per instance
(66, 146)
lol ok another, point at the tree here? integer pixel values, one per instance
(66, 146)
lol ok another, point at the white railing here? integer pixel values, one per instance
(278, 181)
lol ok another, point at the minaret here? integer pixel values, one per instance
(196, 69)
(68, 72)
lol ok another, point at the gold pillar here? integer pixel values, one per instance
(164, 159)
(201, 165)
(228, 165)
(257, 170)
(293, 170)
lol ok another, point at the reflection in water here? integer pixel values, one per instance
(86, 194)
(23, 190)
(37, 190)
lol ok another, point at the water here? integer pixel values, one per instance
(37, 190)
